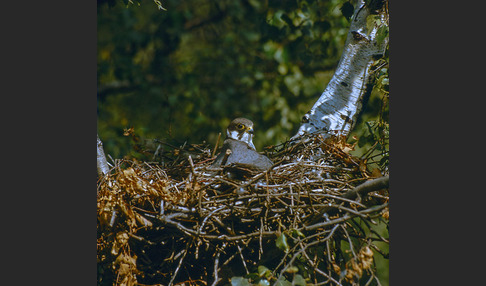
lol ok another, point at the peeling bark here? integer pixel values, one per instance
(101, 162)
(336, 111)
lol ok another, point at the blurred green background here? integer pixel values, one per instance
(184, 73)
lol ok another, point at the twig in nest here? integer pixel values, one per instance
(297, 254)
(363, 189)
(225, 158)
(207, 217)
(179, 265)
(368, 186)
(345, 217)
(216, 264)
(192, 166)
(260, 250)
(216, 146)
(242, 258)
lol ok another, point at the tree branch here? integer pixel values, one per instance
(368, 186)
(101, 162)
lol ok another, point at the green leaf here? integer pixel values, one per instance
(296, 232)
(282, 243)
(299, 280)
(381, 34)
(372, 21)
(264, 271)
(239, 281)
(282, 282)
(292, 269)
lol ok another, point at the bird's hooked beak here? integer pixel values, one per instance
(249, 129)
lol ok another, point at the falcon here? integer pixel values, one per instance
(238, 148)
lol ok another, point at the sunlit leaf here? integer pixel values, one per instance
(282, 282)
(296, 232)
(264, 271)
(239, 281)
(292, 269)
(282, 243)
(381, 34)
(299, 280)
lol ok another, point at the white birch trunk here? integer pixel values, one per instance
(101, 162)
(336, 111)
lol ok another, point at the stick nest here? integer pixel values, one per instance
(305, 221)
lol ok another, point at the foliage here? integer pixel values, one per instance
(371, 135)
(184, 73)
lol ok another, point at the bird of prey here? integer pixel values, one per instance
(238, 148)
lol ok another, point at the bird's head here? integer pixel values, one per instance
(241, 129)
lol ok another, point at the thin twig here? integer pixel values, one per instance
(216, 264)
(345, 217)
(297, 254)
(349, 240)
(216, 146)
(361, 190)
(242, 258)
(179, 265)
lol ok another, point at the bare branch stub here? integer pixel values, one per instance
(213, 227)
(102, 164)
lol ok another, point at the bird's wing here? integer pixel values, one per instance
(241, 153)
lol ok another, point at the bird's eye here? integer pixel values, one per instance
(240, 126)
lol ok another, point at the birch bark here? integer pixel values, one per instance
(101, 162)
(336, 110)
